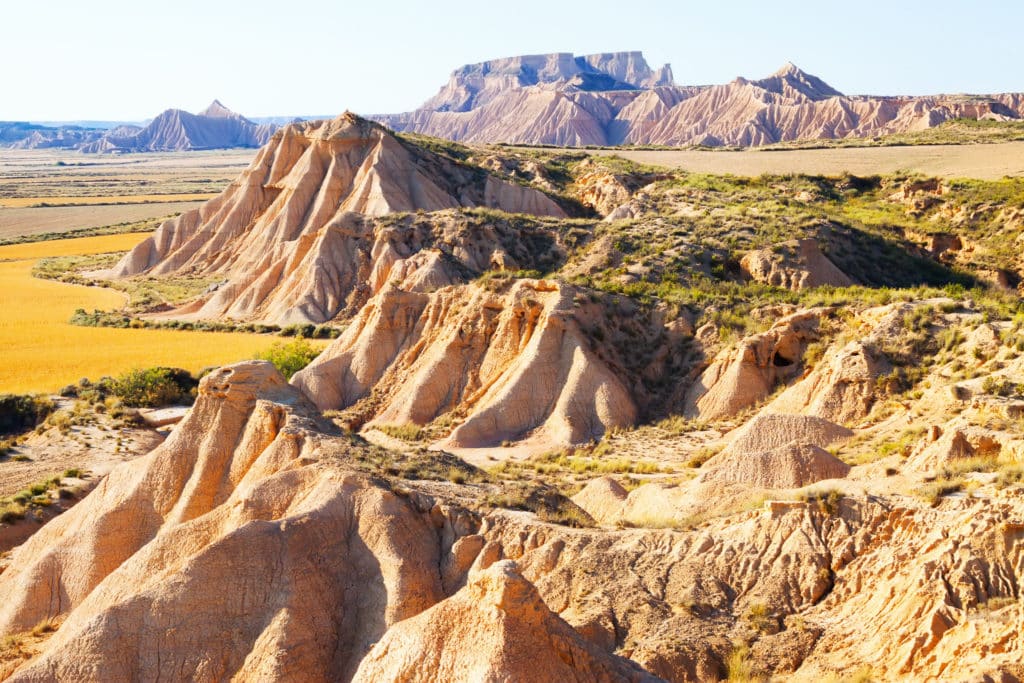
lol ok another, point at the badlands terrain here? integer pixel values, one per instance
(585, 418)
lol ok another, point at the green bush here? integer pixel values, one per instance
(19, 413)
(291, 357)
(154, 387)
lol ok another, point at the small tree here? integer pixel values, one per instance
(291, 357)
(154, 387)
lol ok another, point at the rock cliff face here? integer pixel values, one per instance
(795, 265)
(507, 366)
(293, 237)
(615, 99)
(742, 376)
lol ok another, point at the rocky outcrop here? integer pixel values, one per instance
(291, 238)
(957, 440)
(746, 374)
(791, 466)
(504, 627)
(841, 388)
(508, 366)
(244, 522)
(815, 591)
(793, 265)
(617, 99)
(474, 85)
(961, 619)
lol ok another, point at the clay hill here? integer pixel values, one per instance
(297, 238)
(617, 99)
(323, 561)
(174, 130)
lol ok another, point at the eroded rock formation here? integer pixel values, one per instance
(256, 519)
(292, 240)
(509, 366)
(746, 374)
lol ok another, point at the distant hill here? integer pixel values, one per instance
(24, 135)
(174, 130)
(618, 99)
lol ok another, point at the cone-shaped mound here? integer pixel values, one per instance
(791, 466)
(241, 548)
(501, 625)
(287, 237)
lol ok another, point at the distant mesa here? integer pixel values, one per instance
(618, 99)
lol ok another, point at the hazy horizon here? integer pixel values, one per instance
(107, 61)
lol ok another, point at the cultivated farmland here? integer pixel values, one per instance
(41, 351)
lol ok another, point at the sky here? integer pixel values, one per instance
(127, 60)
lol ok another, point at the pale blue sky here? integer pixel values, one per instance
(124, 59)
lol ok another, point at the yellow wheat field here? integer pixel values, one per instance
(23, 202)
(40, 351)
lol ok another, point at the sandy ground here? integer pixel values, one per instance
(987, 162)
(94, 449)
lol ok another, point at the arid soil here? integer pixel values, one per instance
(989, 162)
(38, 220)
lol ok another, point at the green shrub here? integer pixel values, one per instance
(547, 503)
(19, 413)
(154, 387)
(404, 432)
(291, 357)
(1001, 386)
